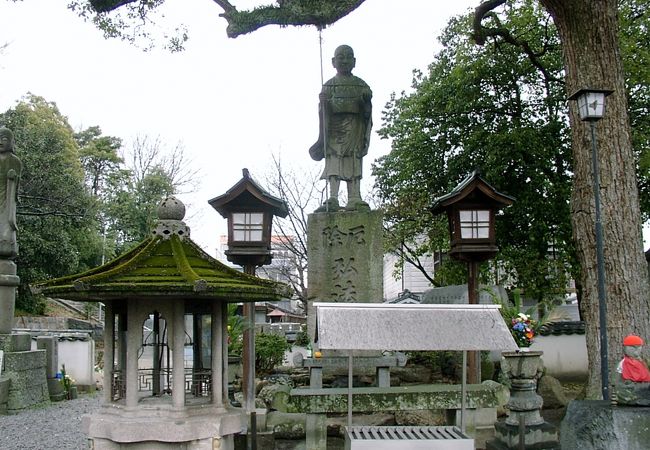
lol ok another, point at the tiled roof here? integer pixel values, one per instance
(559, 328)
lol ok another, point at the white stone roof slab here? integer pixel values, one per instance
(372, 326)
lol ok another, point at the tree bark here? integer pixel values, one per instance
(589, 34)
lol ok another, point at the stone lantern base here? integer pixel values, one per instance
(116, 428)
(524, 424)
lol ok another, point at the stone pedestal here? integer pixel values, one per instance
(345, 258)
(25, 370)
(8, 283)
(596, 424)
(524, 423)
(115, 427)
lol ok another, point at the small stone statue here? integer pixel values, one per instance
(10, 171)
(632, 379)
(345, 125)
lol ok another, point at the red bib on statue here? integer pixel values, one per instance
(635, 370)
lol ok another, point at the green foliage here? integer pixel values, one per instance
(269, 352)
(235, 331)
(634, 41)
(302, 338)
(56, 227)
(486, 107)
(79, 202)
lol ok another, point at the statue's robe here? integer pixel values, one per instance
(346, 123)
(9, 163)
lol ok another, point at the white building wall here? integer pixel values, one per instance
(410, 278)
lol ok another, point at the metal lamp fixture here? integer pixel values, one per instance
(591, 103)
(591, 107)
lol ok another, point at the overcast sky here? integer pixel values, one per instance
(232, 102)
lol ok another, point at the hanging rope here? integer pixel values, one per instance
(323, 118)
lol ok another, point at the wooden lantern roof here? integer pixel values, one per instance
(472, 189)
(246, 194)
(166, 265)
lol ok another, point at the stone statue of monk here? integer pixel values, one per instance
(10, 171)
(345, 125)
(632, 379)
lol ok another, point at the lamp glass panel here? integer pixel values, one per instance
(475, 224)
(591, 105)
(247, 227)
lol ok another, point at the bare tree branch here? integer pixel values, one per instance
(482, 33)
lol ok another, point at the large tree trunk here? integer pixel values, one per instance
(589, 33)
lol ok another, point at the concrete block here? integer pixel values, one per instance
(22, 342)
(25, 379)
(21, 399)
(49, 344)
(16, 342)
(596, 424)
(316, 431)
(20, 361)
(5, 382)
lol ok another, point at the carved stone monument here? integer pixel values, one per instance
(23, 381)
(345, 255)
(344, 245)
(10, 171)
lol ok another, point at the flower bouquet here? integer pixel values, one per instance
(523, 328)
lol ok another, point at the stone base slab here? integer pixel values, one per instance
(224, 443)
(132, 426)
(537, 437)
(596, 424)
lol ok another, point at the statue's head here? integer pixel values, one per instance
(6, 140)
(344, 60)
(632, 346)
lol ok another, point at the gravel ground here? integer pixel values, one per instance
(55, 427)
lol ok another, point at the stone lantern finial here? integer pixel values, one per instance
(171, 212)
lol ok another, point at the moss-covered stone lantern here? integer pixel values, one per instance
(162, 298)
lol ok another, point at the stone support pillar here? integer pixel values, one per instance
(109, 356)
(217, 355)
(133, 343)
(8, 283)
(178, 350)
(224, 343)
(49, 344)
(524, 428)
(121, 342)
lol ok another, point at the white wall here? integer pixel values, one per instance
(79, 360)
(411, 278)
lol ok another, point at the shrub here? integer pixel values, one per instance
(269, 352)
(302, 338)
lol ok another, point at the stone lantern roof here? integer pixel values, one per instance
(168, 264)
